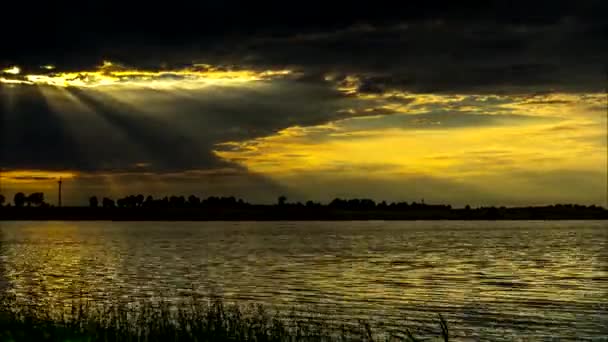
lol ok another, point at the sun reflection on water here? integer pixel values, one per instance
(486, 278)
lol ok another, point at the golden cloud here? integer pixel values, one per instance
(557, 140)
(30, 176)
(111, 74)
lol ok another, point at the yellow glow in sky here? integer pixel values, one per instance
(552, 137)
(12, 70)
(494, 143)
(34, 176)
(109, 74)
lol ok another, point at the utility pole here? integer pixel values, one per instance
(59, 182)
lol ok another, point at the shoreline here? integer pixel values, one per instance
(277, 213)
(194, 320)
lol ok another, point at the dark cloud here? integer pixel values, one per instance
(32, 136)
(421, 46)
(157, 142)
(84, 129)
(479, 57)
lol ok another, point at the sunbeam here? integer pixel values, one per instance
(102, 144)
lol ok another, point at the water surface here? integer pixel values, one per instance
(491, 280)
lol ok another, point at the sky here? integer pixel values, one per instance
(480, 103)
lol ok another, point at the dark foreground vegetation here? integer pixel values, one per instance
(192, 321)
(192, 208)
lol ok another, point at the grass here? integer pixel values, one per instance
(195, 320)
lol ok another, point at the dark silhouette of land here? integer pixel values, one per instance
(192, 208)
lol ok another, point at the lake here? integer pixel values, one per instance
(499, 280)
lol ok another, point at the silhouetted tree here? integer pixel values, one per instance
(367, 204)
(130, 201)
(492, 213)
(107, 203)
(2, 200)
(230, 201)
(338, 203)
(177, 202)
(149, 202)
(282, 200)
(35, 199)
(93, 202)
(194, 201)
(139, 200)
(19, 199)
(164, 203)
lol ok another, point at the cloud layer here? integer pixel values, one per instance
(447, 47)
(264, 99)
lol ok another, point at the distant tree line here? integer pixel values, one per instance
(139, 201)
(192, 201)
(361, 205)
(20, 199)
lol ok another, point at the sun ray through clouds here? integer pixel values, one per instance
(95, 135)
(287, 124)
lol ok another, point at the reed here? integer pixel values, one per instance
(194, 320)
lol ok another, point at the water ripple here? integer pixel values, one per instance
(491, 280)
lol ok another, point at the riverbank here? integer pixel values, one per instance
(296, 213)
(191, 321)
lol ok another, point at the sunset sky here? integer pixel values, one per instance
(501, 104)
